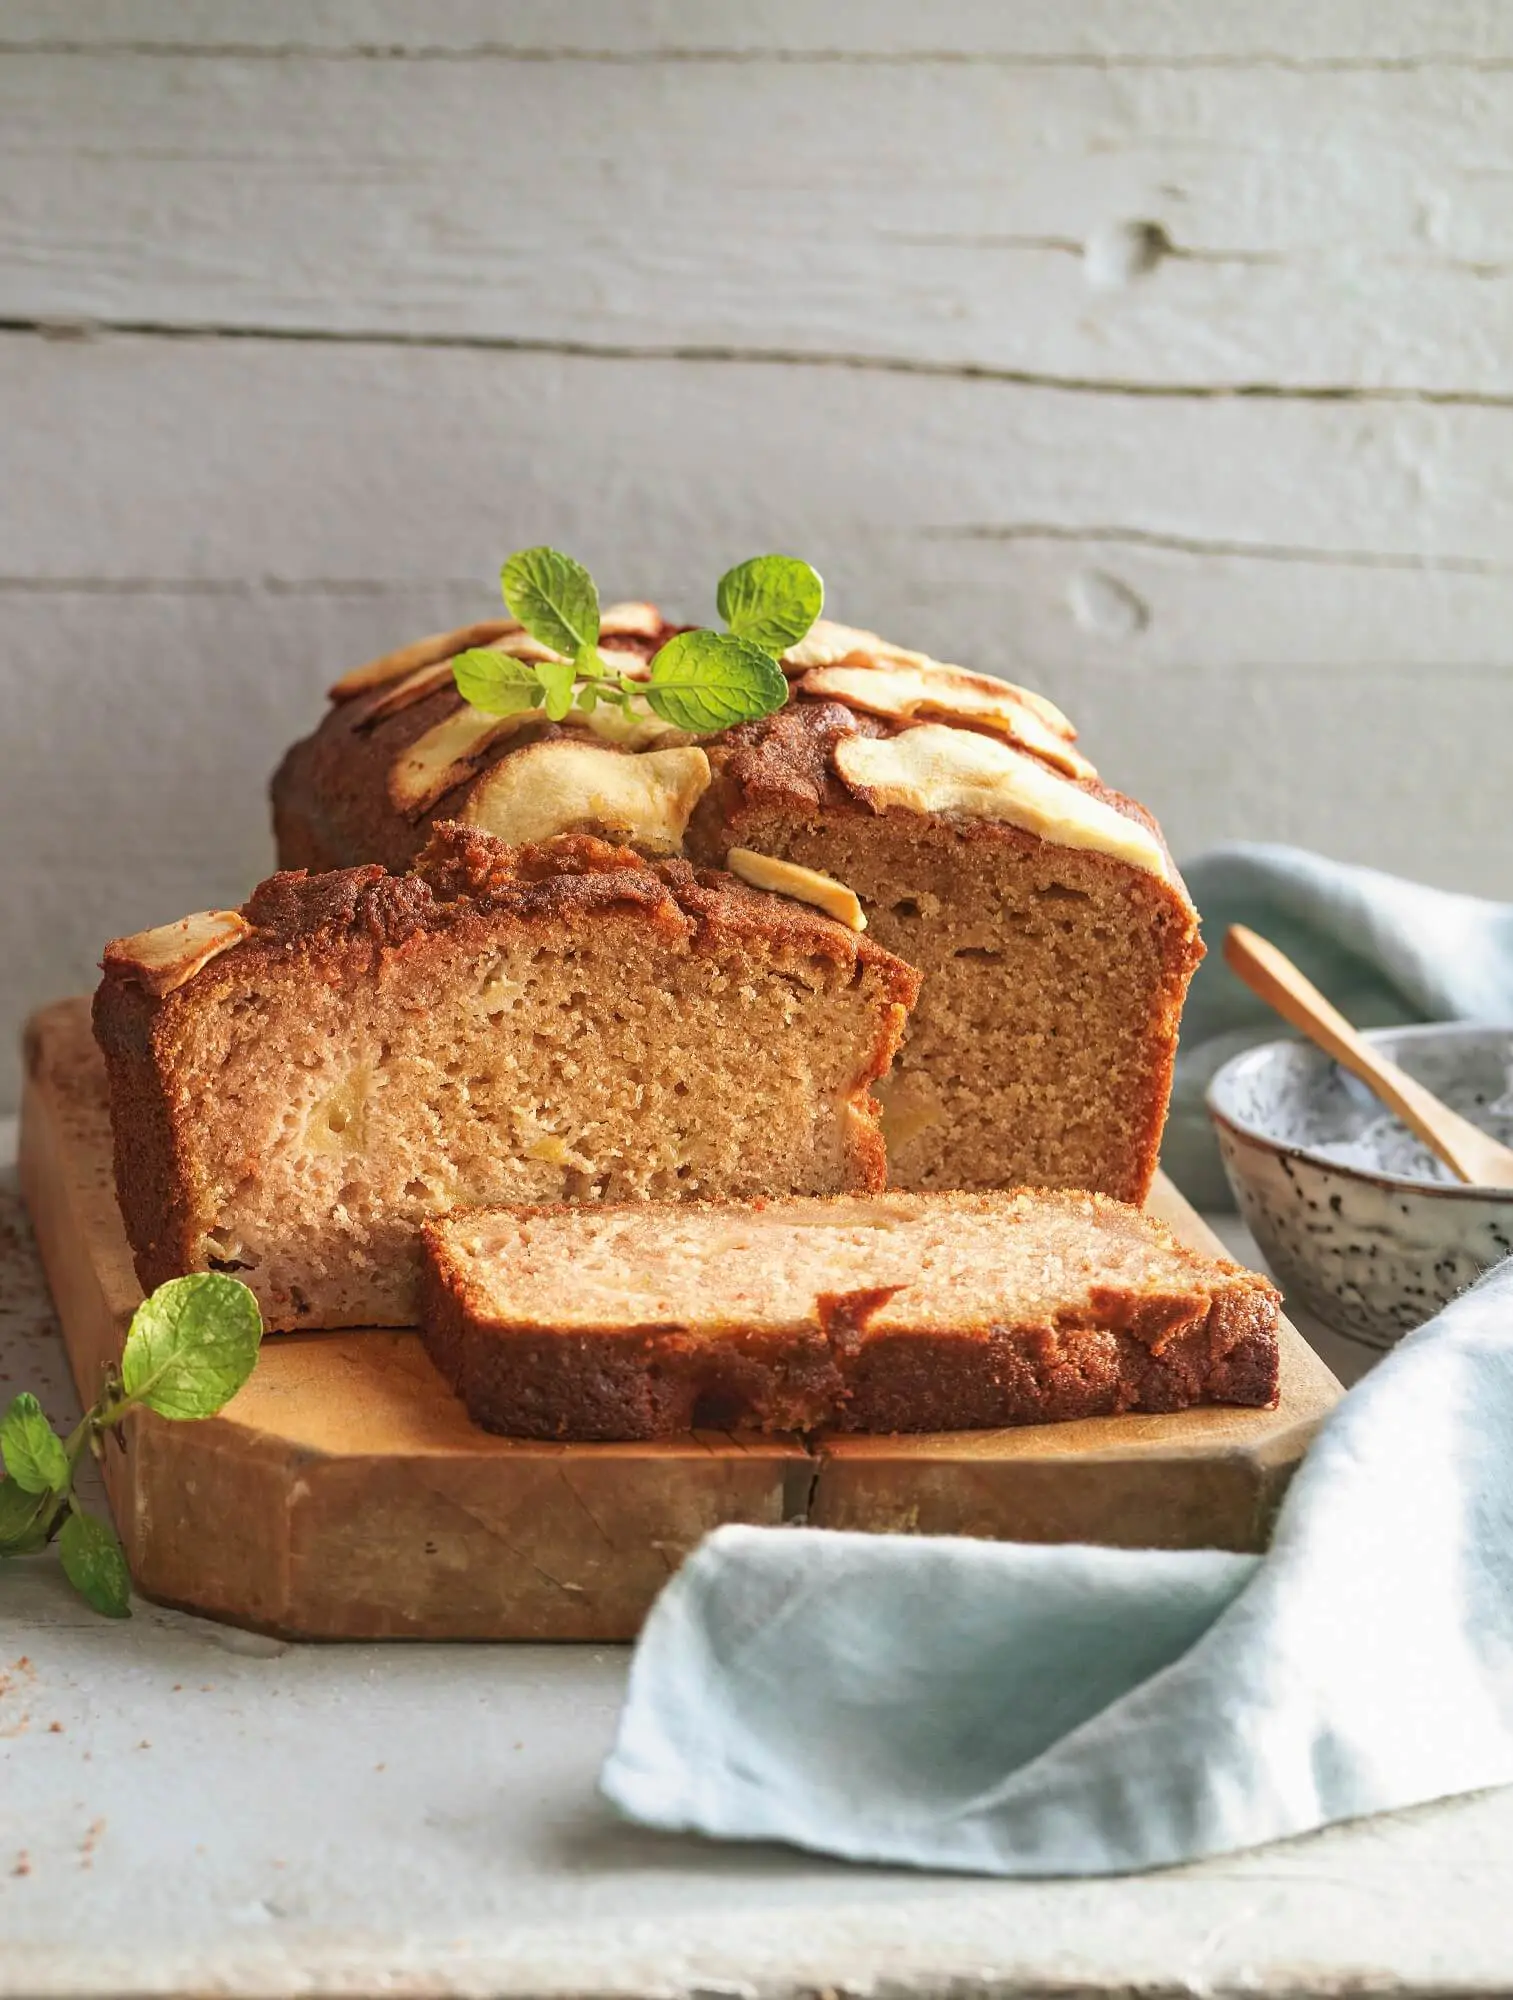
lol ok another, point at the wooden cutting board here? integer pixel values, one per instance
(344, 1494)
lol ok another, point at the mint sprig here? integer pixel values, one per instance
(34, 1454)
(703, 681)
(496, 682)
(554, 598)
(95, 1564)
(700, 681)
(771, 600)
(190, 1347)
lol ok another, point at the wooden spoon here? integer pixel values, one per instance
(1465, 1149)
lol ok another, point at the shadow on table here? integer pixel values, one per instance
(595, 1840)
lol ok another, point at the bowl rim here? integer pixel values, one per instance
(1256, 1135)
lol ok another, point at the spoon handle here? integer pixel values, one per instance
(1468, 1151)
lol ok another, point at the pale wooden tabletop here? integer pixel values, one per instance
(185, 1808)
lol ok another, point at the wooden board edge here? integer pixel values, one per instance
(79, 1300)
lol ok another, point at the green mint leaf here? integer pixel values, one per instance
(702, 681)
(554, 598)
(558, 677)
(771, 600)
(25, 1518)
(495, 682)
(588, 699)
(33, 1453)
(95, 1565)
(192, 1345)
(590, 664)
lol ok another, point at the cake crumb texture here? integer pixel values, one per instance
(1041, 1049)
(897, 1312)
(567, 1021)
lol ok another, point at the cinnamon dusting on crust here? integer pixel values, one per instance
(465, 870)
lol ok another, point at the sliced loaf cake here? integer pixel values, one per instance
(297, 1085)
(903, 1312)
(1055, 936)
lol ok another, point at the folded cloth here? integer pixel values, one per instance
(1385, 951)
(1076, 1711)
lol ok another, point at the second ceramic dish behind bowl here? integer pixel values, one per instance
(1361, 1224)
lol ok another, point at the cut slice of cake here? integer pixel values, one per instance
(1055, 936)
(295, 1087)
(899, 1312)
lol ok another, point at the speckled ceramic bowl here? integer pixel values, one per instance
(1361, 1224)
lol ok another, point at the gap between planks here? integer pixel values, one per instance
(168, 49)
(64, 328)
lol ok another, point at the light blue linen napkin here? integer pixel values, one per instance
(1087, 1711)
(1046, 1711)
(1384, 950)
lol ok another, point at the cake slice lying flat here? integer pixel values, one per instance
(295, 1086)
(902, 1312)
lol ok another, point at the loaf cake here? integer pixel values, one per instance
(901, 1312)
(1054, 934)
(296, 1085)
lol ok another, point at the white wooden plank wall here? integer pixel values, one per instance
(1161, 355)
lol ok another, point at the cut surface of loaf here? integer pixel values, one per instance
(1055, 936)
(1041, 1048)
(568, 1021)
(896, 1312)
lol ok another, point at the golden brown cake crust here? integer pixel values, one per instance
(470, 888)
(465, 874)
(331, 806)
(330, 796)
(785, 762)
(131, 1027)
(1116, 1348)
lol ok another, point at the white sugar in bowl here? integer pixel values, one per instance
(1361, 1224)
